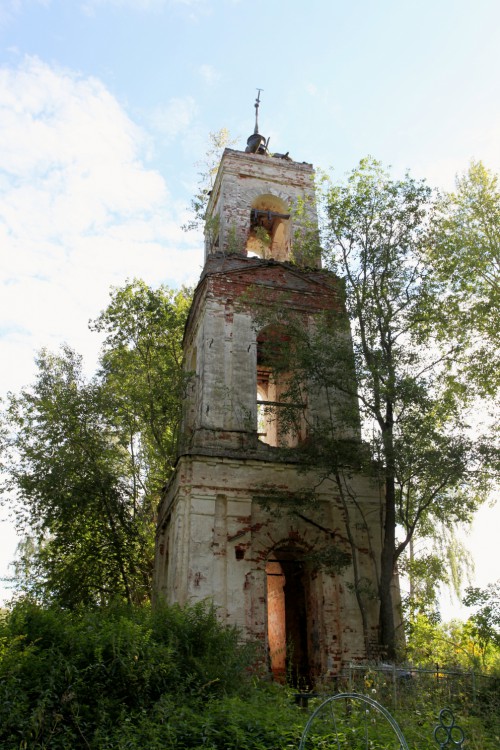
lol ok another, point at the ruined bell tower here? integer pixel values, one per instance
(218, 536)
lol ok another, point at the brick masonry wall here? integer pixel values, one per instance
(216, 533)
(213, 517)
(241, 180)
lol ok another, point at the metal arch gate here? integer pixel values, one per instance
(326, 716)
(357, 722)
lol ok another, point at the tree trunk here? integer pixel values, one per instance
(355, 566)
(387, 633)
(386, 617)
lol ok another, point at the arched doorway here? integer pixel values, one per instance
(287, 615)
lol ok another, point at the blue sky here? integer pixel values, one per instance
(106, 105)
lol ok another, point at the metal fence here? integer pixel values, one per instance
(413, 688)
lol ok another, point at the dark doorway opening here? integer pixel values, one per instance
(287, 618)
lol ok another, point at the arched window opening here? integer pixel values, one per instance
(270, 229)
(287, 616)
(280, 417)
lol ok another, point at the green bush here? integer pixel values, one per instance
(173, 678)
(265, 719)
(68, 678)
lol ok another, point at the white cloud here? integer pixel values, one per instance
(10, 8)
(209, 74)
(79, 211)
(175, 117)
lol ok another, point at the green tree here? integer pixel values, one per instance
(456, 644)
(486, 619)
(388, 381)
(436, 557)
(464, 245)
(142, 371)
(87, 458)
(375, 235)
(68, 468)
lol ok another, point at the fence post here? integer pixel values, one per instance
(394, 688)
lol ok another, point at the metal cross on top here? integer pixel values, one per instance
(257, 102)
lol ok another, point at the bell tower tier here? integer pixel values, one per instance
(230, 525)
(262, 206)
(232, 404)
